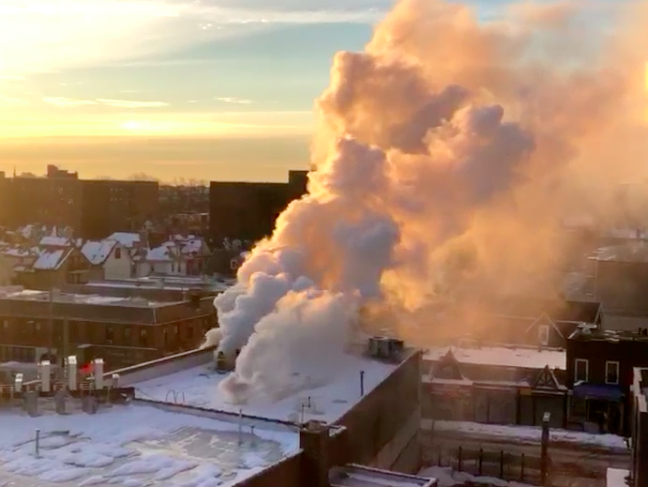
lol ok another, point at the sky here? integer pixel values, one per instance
(203, 89)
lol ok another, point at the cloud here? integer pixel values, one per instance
(234, 100)
(72, 102)
(132, 104)
(10, 77)
(67, 102)
(53, 35)
(8, 101)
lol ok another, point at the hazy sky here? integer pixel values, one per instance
(210, 89)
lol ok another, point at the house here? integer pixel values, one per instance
(196, 252)
(167, 259)
(103, 264)
(54, 267)
(600, 373)
(19, 259)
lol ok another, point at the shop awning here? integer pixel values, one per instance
(598, 391)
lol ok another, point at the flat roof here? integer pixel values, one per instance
(71, 298)
(530, 358)
(134, 446)
(198, 387)
(215, 284)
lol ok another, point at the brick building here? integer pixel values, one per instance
(600, 374)
(639, 428)
(248, 211)
(123, 331)
(93, 209)
(116, 206)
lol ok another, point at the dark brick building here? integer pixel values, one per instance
(600, 374)
(248, 211)
(116, 206)
(93, 209)
(639, 442)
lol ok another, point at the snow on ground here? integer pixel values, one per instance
(133, 446)
(507, 357)
(617, 477)
(446, 477)
(526, 434)
(199, 387)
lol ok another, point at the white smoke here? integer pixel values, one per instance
(429, 158)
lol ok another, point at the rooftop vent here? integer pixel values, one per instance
(385, 348)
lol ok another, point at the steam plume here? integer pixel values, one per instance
(445, 156)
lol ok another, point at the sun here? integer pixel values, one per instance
(132, 126)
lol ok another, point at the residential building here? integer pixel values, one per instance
(114, 206)
(106, 260)
(514, 320)
(248, 211)
(123, 331)
(496, 385)
(600, 373)
(55, 266)
(49, 201)
(639, 428)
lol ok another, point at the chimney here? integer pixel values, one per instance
(18, 383)
(314, 441)
(98, 370)
(72, 372)
(46, 375)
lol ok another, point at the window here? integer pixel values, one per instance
(581, 370)
(611, 372)
(118, 253)
(543, 334)
(143, 337)
(127, 335)
(110, 335)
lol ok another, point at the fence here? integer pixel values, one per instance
(504, 465)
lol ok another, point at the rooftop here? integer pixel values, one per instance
(636, 251)
(68, 298)
(137, 445)
(530, 358)
(167, 282)
(198, 387)
(612, 336)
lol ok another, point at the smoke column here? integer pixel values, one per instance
(445, 155)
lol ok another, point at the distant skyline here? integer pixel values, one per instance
(207, 89)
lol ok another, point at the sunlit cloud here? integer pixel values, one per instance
(67, 102)
(234, 100)
(132, 104)
(72, 102)
(8, 101)
(52, 35)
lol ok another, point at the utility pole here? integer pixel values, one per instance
(544, 455)
(50, 314)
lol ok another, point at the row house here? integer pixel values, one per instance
(123, 331)
(496, 385)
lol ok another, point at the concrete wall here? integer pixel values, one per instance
(164, 366)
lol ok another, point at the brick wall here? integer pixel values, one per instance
(376, 420)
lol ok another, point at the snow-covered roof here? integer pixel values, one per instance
(98, 251)
(20, 252)
(53, 241)
(138, 445)
(128, 240)
(531, 358)
(51, 259)
(198, 386)
(189, 244)
(166, 252)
